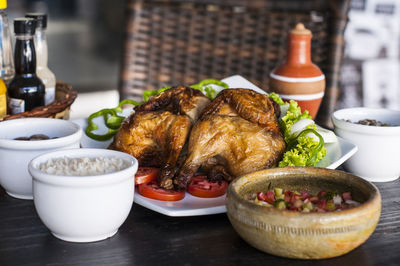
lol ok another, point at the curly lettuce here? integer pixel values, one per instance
(274, 96)
(301, 149)
(292, 116)
(302, 153)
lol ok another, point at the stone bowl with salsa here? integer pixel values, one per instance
(288, 227)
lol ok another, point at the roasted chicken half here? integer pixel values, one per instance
(158, 130)
(238, 132)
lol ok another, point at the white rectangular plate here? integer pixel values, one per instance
(337, 153)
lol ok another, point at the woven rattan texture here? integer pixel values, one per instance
(178, 42)
(65, 96)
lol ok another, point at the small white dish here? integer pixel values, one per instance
(378, 147)
(83, 208)
(337, 153)
(16, 154)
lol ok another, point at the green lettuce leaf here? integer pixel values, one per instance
(301, 154)
(274, 96)
(293, 115)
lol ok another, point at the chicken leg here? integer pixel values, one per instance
(236, 134)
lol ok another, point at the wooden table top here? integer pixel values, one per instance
(149, 238)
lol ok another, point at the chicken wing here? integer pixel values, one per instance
(157, 132)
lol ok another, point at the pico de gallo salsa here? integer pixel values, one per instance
(304, 201)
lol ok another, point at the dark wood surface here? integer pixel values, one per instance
(149, 238)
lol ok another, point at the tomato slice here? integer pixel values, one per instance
(146, 175)
(153, 191)
(203, 188)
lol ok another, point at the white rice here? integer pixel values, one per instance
(83, 166)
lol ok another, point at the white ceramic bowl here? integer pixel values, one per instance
(16, 154)
(377, 158)
(83, 208)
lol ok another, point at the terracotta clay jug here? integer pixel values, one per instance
(298, 78)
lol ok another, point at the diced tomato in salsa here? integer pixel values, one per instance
(306, 202)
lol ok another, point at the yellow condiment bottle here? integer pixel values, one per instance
(3, 4)
(3, 99)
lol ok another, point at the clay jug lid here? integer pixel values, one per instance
(300, 30)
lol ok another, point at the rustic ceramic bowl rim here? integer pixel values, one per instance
(233, 187)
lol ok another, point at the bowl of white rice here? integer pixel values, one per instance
(83, 195)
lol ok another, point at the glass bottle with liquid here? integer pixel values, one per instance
(25, 91)
(3, 99)
(6, 55)
(44, 73)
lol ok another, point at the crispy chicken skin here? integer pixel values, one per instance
(178, 100)
(237, 133)
(158, 130)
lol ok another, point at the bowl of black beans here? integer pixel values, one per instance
(23, 139)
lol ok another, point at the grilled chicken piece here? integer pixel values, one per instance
(179, 100)
(157, 132)
(237, 133)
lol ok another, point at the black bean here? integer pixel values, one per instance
(370, 122)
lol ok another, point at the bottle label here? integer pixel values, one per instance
(16, 105)
(3, 105)
(50, 95)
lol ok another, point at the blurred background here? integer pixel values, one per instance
(84, 39)
(85, 47)
(370, 69)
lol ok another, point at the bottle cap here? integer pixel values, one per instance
(24, 26)
(300, 30)
(3, 4)
(41, 19)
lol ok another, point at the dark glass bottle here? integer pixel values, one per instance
(25, 91)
